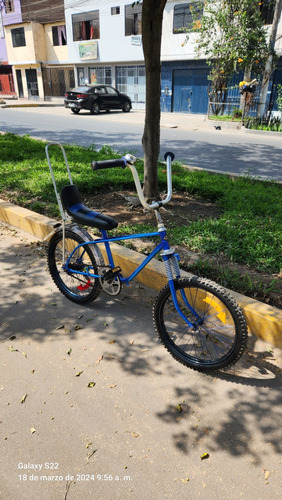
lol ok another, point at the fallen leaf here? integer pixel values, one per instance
(88, 445)
(69, 351)
(112, 386)
(23, 398)
(78, 327)
(61, 327)
(266, 474)
(32, 430)
(13, 337)
(204, 456)
(105, 324)
(25, 354)
(79, 373)
(91, 454)
(12, 349)
(91, 384)
(135, 434)
(179, 408)
(112, 342)
(99, 359)
(185, 480)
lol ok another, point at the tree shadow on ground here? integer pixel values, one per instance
(230, 410)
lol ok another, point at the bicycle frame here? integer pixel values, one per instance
(163, 247)
(198, 321)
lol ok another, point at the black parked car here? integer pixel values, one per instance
(96, 97)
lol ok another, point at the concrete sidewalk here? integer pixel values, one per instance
(94, 407)
(12, 102)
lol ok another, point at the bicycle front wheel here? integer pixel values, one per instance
(75, 286)
(217, 336)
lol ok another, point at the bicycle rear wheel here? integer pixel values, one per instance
(218, 336)
(75, 286)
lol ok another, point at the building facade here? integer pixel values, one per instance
(105, 46)
(10, 13)
(55, 45)
(36, 47)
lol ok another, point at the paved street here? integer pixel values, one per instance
(92, 406)
(191, 137)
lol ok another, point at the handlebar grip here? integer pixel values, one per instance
(99, 165)
(168, 153)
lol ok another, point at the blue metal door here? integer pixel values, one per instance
(190, 90)
(186, 98)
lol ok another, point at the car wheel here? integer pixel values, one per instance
(75, 111)
(95, 110)
(126, 107)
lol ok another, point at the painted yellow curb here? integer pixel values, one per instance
(263, 320)
(26, 220)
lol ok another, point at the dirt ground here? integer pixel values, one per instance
(183, 209)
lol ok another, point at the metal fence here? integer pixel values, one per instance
(236, 107)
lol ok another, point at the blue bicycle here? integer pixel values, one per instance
(197, 320)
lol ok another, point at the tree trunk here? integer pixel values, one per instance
(152, 18)
(269, 63)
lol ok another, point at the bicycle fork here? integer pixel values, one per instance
(171, 259)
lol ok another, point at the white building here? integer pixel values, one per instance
(105, 45)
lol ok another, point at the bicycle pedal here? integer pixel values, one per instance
(111, 273)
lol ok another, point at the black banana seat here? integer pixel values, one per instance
(81, 214)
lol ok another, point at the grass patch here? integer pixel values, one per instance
(248, 231)
(225, 118)
(272, 125)
(233, 279)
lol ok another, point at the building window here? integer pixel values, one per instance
(183, 19)
(133, 20)
(9, 6)
(131, 81)
(81, 76)
(86, 26)
(59, 35)
(100, 75)
(115, 11)
(18, 37)
(267, 10)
